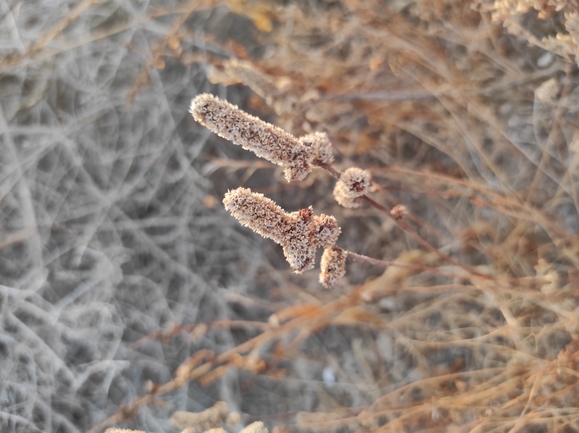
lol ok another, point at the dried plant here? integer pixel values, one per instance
(563, 42)
(299, 233)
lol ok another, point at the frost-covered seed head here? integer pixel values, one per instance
(299, 233)
(333, 266)
(353, 183)
(265, 140)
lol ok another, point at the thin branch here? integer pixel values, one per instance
(386, 263)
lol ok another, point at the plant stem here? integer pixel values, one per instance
(386, 263)
(425, 243)
(335, 173)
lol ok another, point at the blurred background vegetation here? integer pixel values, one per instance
(128, 294)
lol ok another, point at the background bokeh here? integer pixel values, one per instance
(112, 232)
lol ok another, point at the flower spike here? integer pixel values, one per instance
(297, 156)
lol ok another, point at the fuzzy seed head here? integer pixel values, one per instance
(299, 233)
(265, 140)
(333, 266)
(353, 183)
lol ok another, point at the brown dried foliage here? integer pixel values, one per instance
(475, 132)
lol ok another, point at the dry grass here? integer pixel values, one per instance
(128, 294)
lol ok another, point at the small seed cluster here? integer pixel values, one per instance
(332, 266)
(297, 156)
(353, 184)
(299, 233)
